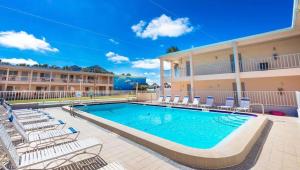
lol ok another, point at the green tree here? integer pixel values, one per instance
(172, 49)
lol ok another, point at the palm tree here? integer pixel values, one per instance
(172, 49)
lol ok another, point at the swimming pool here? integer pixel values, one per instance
(193, 128)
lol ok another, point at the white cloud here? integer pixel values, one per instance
(149, 74)
(15, 61)
(150, 64)
(162, 26)
(146, 64)
(113, 41)
(24, 41)
(116, 58)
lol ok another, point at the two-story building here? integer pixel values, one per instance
(264, 62)
(22, 78)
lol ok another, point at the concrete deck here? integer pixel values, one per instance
(281, 148)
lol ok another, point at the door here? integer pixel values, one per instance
(232, 65)
(188, 68)
(189, 90)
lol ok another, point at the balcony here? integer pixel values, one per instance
(271, 63)
(253, 64)
(52, 80)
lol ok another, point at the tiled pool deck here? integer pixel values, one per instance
(280, 151)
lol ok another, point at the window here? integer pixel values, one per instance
(3, 72)
(13, 73)
(188, 68)
(176, 70)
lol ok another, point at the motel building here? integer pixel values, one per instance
(22, 78)
(263, 67)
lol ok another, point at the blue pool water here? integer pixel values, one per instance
(194, 128)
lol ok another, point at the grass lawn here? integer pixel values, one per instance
(113, 97)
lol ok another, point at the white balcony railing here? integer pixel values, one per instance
(3, 78)
(247, 65)
(271, 63)
(48, 96)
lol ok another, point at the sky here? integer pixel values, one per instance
(127, 36)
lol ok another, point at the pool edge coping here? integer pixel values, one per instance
(232, 150)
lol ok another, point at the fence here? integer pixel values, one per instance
(267, 98)
(45, 96)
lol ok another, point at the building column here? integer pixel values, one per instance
(68, 79)
(50, 81)
(30, 79)
(7, 76)
(162, 80)
(172, 70)
(106, 90)
(191, 76)
(237, 71)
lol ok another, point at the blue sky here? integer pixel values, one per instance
(127, 36)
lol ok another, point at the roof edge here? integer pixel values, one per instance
(228, 41)
(294, 17)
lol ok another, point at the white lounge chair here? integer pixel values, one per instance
(167, 99)
(244, 105)
(40, 137)
(62, 152)
(185, 100)
(30, 114)
(209, 102)
(35, 119)
(28, 118)
(196, 101)
(228, 104)
(43, 125)
(160, 99)
(175, 100)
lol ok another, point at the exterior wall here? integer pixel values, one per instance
(282, 47)
(273, 84)
(20, 79)
(179, 88)
(213, 85)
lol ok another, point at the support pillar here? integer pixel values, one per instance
(30, 79)
(237, 71)
(191, 76)
(50, 81)
(6, 81)
(68, 79)
(162, 80)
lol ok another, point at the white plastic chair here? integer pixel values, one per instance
(160, 99)
(196, 101)
(167, 99)
(209, 102)
(185, 100)
(175, 100)
(244, 105)
(228, 104)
